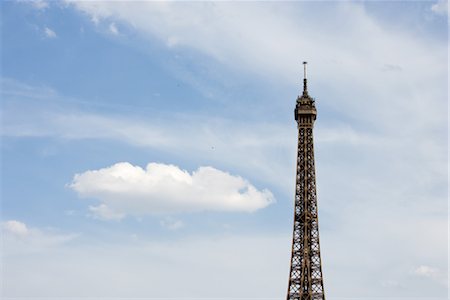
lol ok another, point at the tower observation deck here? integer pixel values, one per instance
(305, 277)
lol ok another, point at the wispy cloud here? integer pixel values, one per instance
(440, 7)
(13, 88)
(264, 39)
(171, 223)
(38, 4)
(426, 271)
(113, 29)
(434, 274)
(235, 35)
(50, 33)
(19, 238)
(16, 228)
(242, 145)
(132, 264)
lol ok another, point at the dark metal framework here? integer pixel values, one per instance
(305, 279)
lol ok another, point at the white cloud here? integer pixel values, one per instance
(426, 271)
(124, 189)
(16, 227)
(432, 273)
(95, 20)
(113, 29)
(440, 7)
(49, 33)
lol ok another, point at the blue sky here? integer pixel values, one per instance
(204, 92)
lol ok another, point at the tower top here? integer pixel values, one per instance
(305, 103)
(305, 85)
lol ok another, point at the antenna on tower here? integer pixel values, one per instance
(305, 88)
(304, 69)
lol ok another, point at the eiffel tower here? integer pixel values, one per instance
(305, 278)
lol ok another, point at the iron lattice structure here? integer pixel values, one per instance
(305, 279)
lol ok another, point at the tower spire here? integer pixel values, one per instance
(305, 86)
(305, 277)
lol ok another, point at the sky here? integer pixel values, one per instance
(148, 148)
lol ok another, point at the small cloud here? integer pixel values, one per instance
(16, 228)
(431, 273)
(95, 19)
(440, 7)
(49, 33)
(113, 29)
(426, 271)
(172, 224)
(124, 189)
